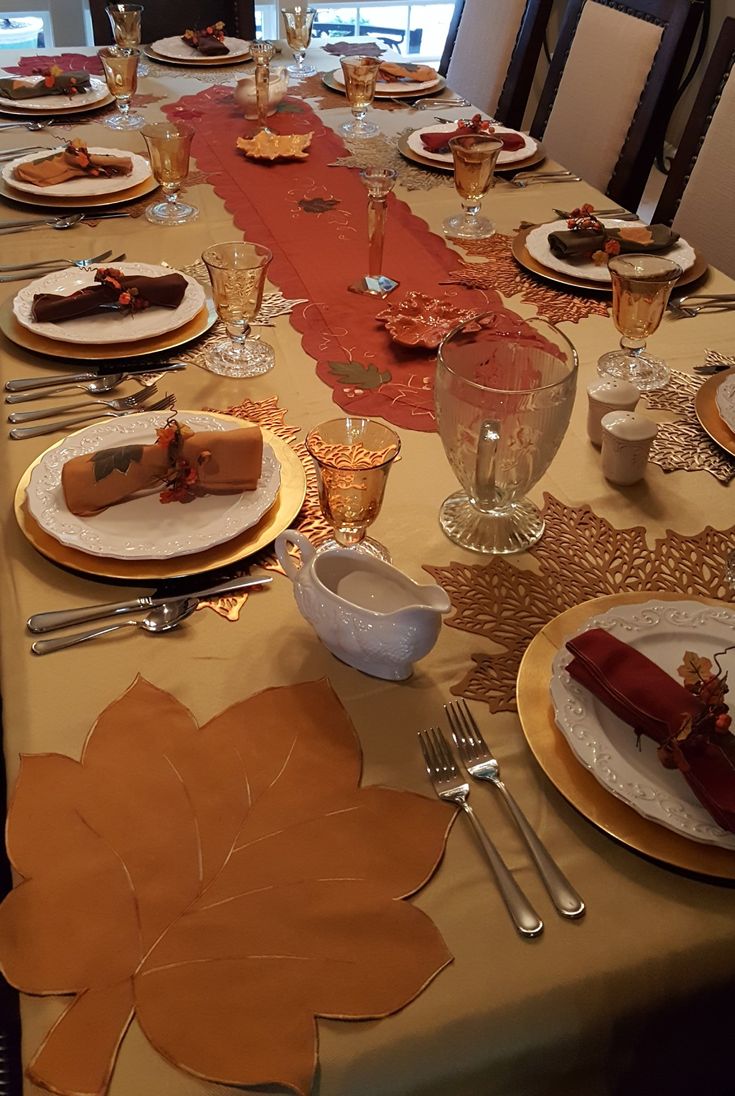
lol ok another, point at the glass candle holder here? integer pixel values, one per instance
(361, 76)
(475, 156)
(262, 53)
(121, 73)
(641, 287)
(126, 24)
(299, 21)
(352, 457)
(169, 145)
(237, 272)
(379, 182)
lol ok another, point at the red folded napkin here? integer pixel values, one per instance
(439, 142)
(646, 698)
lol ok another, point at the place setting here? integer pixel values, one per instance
(204, 46)
(714, 405)
(384, 79)
(430, 147)
(52, 93)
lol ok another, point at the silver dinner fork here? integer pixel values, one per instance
(18, 433)
(449, 785)
(125, 403)
(481, 764)
(62, 263)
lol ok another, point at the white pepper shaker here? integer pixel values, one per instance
(626, 443)
(605, 396)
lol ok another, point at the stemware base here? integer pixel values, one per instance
(125, 121)
(510, 529)
(248, 359)
(357, 130)
(367, 546)
(171, 213)
(376, 286)
(643, 370)
(304, 70)
(463, 227)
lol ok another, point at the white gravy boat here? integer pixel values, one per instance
(367, 613)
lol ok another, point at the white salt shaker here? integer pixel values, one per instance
(604, 396)
(626, 443)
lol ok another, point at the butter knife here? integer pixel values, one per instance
(64, 618)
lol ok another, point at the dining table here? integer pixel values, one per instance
(634, 997)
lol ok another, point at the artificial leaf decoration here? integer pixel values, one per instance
(355, 373)
(317, 205)
(694, 668)
(110, 460)
(637, 234)
(226, 884)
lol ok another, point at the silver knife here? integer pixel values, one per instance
(64, 618)
(27, 384)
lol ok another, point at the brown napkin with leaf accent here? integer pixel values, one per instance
(209, 41)
(639, 238)
(113, 291)
(393, 70)
(181, 463)
(75, 161)
(63, 83)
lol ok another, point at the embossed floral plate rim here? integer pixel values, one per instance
(143, 527)
(725, 400)
(97, 95)
(90, 202)
(576, 783)
(173, 50)
(83, 186)
(518, 156)
(708, 413)
(411, 91)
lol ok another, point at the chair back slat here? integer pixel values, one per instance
(162, 19)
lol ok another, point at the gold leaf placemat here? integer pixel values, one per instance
(226, 884)
(580, 556)
(382, 151)
(682, 445)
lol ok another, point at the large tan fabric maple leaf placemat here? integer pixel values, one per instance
(226, 884)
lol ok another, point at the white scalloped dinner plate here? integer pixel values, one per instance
(393, 87)
(725, 400)
(83, 185)
(416, 145)
(107, 327)
(537, 245)
(177, 50)
(663, 631)
(144, 527)
(47, 104)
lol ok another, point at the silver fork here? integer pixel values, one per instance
(20, 432)
(479, 761)
(449, 785)
(38, 270)
(125, 403)
(54, 262)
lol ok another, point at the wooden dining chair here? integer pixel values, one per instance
(697, 197)
(607, 99)
(161, 18)
(490, 56)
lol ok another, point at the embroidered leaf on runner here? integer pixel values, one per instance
(360, 375)
(119, 459)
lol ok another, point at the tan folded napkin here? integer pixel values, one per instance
(75, 161)
(181, 463)
(416, 74)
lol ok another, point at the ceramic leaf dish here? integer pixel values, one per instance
(419, 320)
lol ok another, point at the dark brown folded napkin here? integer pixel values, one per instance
(112, 291)
(62, 83)
(75, 161)
(653, 703)
(582, 244)
(183, 463)
(439, 142)
(415, 74)
(209, 41)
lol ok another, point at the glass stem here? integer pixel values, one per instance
(124, 105)
(171, 192)
(262, 80)
(377, 208)
(471, 209)
(634, 347)
(238, 334)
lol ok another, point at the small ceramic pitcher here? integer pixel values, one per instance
(245, 97)
(366, 612)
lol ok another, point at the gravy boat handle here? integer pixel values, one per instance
(291, 538)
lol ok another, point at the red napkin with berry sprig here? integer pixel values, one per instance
(691, 725)
(439, 142)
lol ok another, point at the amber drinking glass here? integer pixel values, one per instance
(298, 21)
(641, 287)
(125, 21)
(169, 145)
(475, 156)
(121, 73)
(361, 76)
(237, 272)
(352, 457)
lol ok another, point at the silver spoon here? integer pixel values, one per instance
(33, 126)
(68, 221)
(162, 619)
(95, 388)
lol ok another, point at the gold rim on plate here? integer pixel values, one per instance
(75, 352)
(329, 81)
(578, 786)
(289, 501)
(88, 201)
(523, 256)
(199, 62)
(31, 115)
(532, 160)
(710, 419)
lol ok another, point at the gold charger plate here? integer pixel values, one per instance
(198, 62)
(59, 112)
(522, 256)
(568, 775)
(705, 407)
(532, 160)
(290, 499)
(329, 81)
(88, 201)
(76, 352)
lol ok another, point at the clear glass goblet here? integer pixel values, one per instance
(121, 73)
(352, 457)
(641, 287)
(503, 402)
(299, 21)
(361, 76)
(169, 145)
(125, 21)
(475, 156)
(237, 272)
(379, 182)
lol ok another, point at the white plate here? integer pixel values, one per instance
(392, 87)
(83, 185)
(144, 527)
(107, 327)
(178, 50)
(725, 400)
(663, 631)
(537, 244)
(415, 144)
(49, 103)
